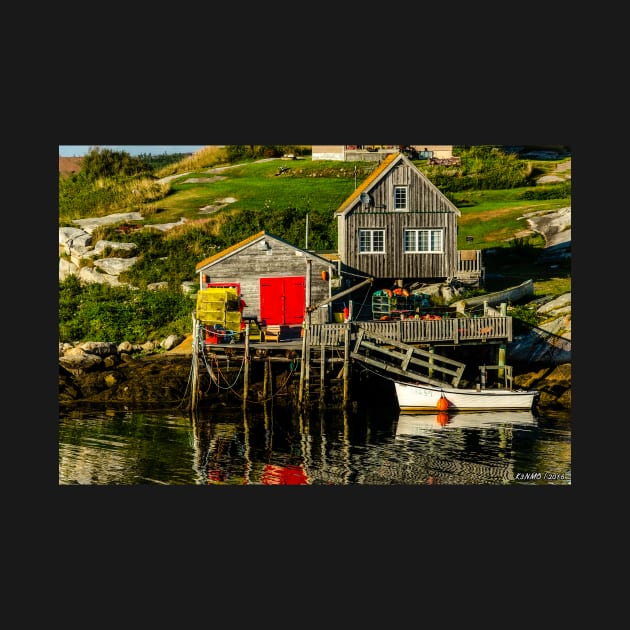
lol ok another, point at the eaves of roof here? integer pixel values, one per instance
(378, 173)
(371, 179)
(249, 241)
(229, 250)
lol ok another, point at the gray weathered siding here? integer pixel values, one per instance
(252, 263)
(428, 208)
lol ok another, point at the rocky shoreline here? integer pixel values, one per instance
(150, 376)
(158, 374)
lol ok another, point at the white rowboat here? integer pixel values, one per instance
(421, 397)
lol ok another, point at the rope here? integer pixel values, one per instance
(367, 369)
(210, 373)
(362, 305)
(273, 396)
(231, 386)
(356, 275)
(188, 390)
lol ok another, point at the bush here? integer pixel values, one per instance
(99, 312)
(524, 318)
(101, 163)
(551, 191)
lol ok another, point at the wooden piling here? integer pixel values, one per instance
(322, 372)
(266, 377)
(346, 365)
(194, 397)
(246, 366)
(502, 347)
(501, 361)
(303, 360)
(307, 365)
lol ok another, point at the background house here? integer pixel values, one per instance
(399, 227)
(375, 152)
(277, 280)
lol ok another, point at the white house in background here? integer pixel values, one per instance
(368, 152)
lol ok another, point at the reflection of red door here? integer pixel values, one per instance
(282, 300)
(284, 476)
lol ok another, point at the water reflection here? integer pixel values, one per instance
(423, 424)
(279, 447)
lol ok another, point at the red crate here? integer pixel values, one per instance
(214, 336)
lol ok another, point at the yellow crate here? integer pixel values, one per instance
(232, 319)
(208, 319)
(204, 314)
(216, 295)
(254, 330)
(205, 295)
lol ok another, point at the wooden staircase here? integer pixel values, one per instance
(406, 360)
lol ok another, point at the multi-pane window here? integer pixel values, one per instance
(400, 197)
(425, 241)
(371, 241)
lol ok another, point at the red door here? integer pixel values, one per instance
(282, 300)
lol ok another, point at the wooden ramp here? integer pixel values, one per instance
(404, 360)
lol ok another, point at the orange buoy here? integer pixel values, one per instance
(324, 276)
(442, 418)
(442, 403)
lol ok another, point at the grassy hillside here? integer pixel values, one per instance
(224, 203)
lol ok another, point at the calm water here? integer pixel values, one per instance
(276, 446)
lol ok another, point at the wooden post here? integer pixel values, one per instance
(322, 372)
(307, 362)
(502, 347)
(501, 370)
(304, 360)
(266, 377)
(346, 364)
(195, 365)
(246, 361)
(306, 324)
(431, 352)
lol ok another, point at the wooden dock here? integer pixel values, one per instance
(326, 352)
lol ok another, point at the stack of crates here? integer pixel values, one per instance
(219, 305)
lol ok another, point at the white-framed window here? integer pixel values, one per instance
(371, 241)
(424, 241)
(400, 198)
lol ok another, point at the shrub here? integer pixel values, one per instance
(99, 312)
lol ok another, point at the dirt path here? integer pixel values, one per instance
(185, 347)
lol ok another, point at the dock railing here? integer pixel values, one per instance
(470, 266)
(453, 330)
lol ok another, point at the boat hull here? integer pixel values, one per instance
(420, 397)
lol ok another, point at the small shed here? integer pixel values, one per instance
(278, 281)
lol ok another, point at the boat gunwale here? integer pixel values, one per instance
(489, 394)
